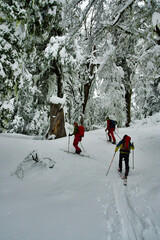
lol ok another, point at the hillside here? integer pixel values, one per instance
(75, 200)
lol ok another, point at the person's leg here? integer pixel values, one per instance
(126, 164)
(75, 144)
(120, 162)
(112, 134)
(109, 135)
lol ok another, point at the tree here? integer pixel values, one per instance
(47, 73)
(35, 79)
(62, 53)
(10, 61)
(147, 81)
(130, 21)
(86, 74)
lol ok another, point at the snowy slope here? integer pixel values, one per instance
(75, 200)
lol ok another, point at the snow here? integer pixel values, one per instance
(75, 200)
(56, 100)
(8, 105)
(52, 12)
(141, 4)
(155, 18)
(127, 4)
(2, 73)
(60, 1)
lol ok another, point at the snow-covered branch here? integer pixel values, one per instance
(128, 4)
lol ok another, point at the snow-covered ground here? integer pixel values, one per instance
(75, 200)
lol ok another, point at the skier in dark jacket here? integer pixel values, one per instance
(77, 138)
(111, 128)
(125, 146)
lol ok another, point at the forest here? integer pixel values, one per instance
(77, 60)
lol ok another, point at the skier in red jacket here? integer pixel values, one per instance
(111, 128)
(78, 136)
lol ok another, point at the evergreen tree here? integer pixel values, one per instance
(10, 60)
(127, 22)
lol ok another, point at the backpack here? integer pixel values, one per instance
(113, 123)
(81, 131)
(126, 143)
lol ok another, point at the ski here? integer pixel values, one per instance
(81, 155)
(123, 178)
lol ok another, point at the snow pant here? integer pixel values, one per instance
(77, 139)
(125, 157)
(111, 134)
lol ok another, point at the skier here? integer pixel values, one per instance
(111, 128)
(78, 133)
(125, 145)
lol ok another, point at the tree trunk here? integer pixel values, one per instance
(128, 93)
(127, 84)
(128, 107)
(86, 97)
(57, 124)
(88, 85)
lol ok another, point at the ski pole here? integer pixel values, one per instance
(106, 135)
(110, 164)
(117, 135)
(133, 156)
(68, 142)
(82, 146)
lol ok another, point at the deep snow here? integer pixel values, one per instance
(75, 200)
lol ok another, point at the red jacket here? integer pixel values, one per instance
(109, 127)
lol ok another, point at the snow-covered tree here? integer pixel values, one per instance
(27, 27)
(127, 22)
(10, 60)
(147, 77)
(96, 54)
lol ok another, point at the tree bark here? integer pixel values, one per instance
(128, 107)
(57, 123)
(127, 84)
(88, 85)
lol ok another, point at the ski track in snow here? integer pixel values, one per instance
(127, 214)
(122, 208)
(139, 227)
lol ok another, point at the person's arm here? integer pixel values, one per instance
(107, 128)
(75, 131)
(132, 146)
(118, 146)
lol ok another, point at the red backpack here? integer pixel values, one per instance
(126, 143)
(81, 131)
